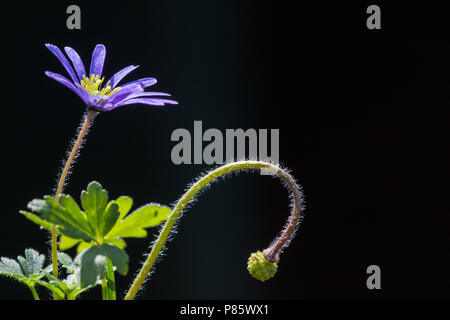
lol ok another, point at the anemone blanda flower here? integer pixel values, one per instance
(89, 86)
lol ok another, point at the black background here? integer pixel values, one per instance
(363, 118)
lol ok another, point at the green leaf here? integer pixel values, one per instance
(48, 269)
(32, 263)
(45, 211)
(71, 223)
(118, 257)
(74, 233)
(135, 223)
(93, 201)
(91, 267)
(10, 268)
(69, 287)
(73, 209)
(67, 243)
(84, 245)
(66, 216)
(26, 269)
(120, 243)
(93, 263)
(34, 218)
(29, 270)
(109, 218)
(125, 203)
(101, 222)
(66, 261)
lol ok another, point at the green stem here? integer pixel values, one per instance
(55, 255)
(104, 289)
(276, 248)
(89, 116)
(109, 283)
(33, 291)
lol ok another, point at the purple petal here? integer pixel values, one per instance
(97, 99)
(165, 101)
(76, 61)
(115, 79)
(147, 94)
(119, 96)
(98, 59)
(83, 94)
(123, 93)
(55, 50)
(145, 82)
(148, 101)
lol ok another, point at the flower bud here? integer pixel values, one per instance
(260, 268)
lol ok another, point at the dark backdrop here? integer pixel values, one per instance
(363, 118)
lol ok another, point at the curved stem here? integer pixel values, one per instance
(89, 116)
(273, 251)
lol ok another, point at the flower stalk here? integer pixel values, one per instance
(88, 119)
(73, 153)
(271, 254)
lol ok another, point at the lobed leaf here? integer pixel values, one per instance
(32, 263)
(71, 222)
(11, 268)
(34, 218)
(135, 223)
(125, 203)
(27, 270)
(93, 201)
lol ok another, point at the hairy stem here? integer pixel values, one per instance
(87, 121)
(272, 253)
(73, 153)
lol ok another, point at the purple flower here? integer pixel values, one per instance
(89, 86)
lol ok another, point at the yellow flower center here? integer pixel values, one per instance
(93, 86)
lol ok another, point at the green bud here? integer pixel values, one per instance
(260, 268)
